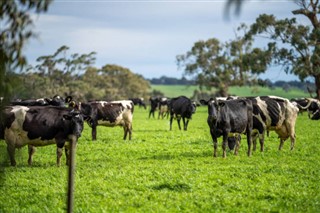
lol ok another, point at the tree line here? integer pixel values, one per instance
(74, 74)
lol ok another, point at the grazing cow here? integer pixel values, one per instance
(39, 126)
(110, 114)
(272, 113)
(163, 108)
(55, 101)
(138, 101)
(306, 104)
(227, 119)
(181, 107)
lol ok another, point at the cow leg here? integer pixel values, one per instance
(11, 151)
(171, 119)
(125, 130)
(293, 140)
(178, 120)
(281, 144)
(94, 132)
(224, 145)
(215, 142)
(254, 140)
(130, 131)
(59, 154)
(249, 140)
(236, 150)
(185, 123)
(31, 151)
(261, 140)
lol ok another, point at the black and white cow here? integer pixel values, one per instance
(139, 102)
(272, 113)
(39, 126)
(55, 101)
(310, 105)
(164, 107)
(110, 114)
(181, 107)
(228, 119)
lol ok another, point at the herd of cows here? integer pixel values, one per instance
(45, 121)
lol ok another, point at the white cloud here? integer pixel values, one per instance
(140, 35)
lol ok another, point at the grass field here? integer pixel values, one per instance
(168, 171)
(176, 90)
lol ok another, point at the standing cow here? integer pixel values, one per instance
(181, 107)
(110, 114)
(229, 118)
(272, 113)
(138, 101)
(163, 107)
(39, 126)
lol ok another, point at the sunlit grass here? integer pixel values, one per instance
(168, 171)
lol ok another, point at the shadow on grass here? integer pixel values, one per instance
(177, 187)
(182, 155)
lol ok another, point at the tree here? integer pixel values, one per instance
(59, 70)
(121, 83)
(299, 50)
(220, 65)
(16, 29)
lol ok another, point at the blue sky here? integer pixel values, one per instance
(144, 36)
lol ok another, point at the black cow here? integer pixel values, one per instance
(55, 101)
(154, 103)
(228, 119)
(110, 114)
(39, 126)
(139, 102)
(181, 107)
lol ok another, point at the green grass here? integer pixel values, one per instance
(168, 171)
(177, 90)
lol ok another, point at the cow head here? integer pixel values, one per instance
(214, 107)
(76, 122)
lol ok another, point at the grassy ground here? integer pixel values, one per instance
(168, 171)
(176, 90)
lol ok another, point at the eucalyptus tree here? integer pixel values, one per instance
(122, 83)
(218, 65)
(60, 70)
(298, 51)
(16, 29)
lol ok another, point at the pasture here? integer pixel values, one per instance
(176, 90)
(168, 171)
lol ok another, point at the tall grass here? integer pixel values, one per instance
(168, 171)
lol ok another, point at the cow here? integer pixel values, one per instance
(39, 126)
(163, 107)
(110, 114)
(138, 101)
(154, 103)
(181, 107)
(55, 101)
(306, 104)
(272, 113)
(229, 119)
